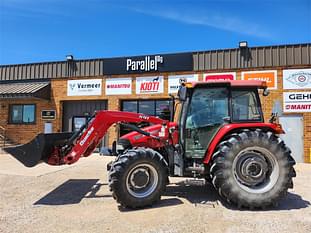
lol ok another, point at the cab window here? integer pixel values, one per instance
(208, 106)
(245, 106)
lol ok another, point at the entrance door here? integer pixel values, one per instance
(76, 113)
(48, 127)
(78, 122)
(293, 137)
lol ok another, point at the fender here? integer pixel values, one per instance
(276, 128)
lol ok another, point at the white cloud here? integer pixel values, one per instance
(226, 23)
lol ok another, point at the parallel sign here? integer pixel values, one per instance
(149, 63)
(84, 87)
(118, 86)
(297, 101)
(175, 80)
(149, 85)
(270, 76)
(297, 79)
(219, 76)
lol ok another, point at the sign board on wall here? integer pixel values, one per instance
(270, 76)
(48, 114)
(149, 85)
(118, 86)
(219, 76)
(297, 79)
(297, 101)
(174, 81)
(149, 63)
(84, 87)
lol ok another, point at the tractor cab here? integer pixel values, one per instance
(207, 107)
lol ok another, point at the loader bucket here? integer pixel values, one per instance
(39, 149)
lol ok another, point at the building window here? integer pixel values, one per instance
(22, 114)
(159, 108)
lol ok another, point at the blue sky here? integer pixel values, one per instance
(47, 30)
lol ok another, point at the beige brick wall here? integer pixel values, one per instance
(24, 133)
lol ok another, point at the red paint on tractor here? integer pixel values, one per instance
(137, 139)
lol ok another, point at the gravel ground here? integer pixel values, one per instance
(77, 199)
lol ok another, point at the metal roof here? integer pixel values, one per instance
(221, 59)
(255, 57)
(21, 90)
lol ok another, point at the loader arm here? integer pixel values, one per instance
(68, 148)
(97, 127)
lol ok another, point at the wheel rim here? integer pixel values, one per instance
(256, 169)
(142, 180)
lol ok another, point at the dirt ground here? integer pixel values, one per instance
(77, 199)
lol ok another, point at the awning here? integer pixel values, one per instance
(39, 90)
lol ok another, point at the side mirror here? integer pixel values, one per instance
(182, 93)
(266, 92)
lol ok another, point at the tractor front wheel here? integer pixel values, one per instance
(138, 177)
(252, 169)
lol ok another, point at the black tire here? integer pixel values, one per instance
(134, 190)
(252, 169)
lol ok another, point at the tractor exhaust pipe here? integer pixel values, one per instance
(39, 149)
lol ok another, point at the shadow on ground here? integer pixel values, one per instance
(72, 192)
(194, 191)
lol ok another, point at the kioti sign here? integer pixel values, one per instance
(219, 76)
(149, 85)
(297, 101)
(270, 76)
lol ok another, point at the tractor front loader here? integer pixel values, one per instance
(219, 135)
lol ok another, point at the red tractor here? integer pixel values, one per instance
(220, 135)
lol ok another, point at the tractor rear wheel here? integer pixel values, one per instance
(252, 169)
(138, 177)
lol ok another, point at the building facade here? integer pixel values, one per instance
(60, 96)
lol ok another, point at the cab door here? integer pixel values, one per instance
(207, 112)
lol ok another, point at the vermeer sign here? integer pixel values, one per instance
(118, 86)
(297, 101)
(219, 76)
(297, 79)
(149, 63)
(174, 81)
(270, 76)
(84, 87)
(149, 85)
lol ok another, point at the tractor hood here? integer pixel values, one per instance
(138, 139)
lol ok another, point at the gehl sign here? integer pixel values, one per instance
(149, 64)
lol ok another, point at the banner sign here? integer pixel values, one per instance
(297, 101)
(149, 63)
(270, 76)
(297, 79)
(118, 86)
(174, 81)
(219, 76)
(84, 87)
(149, 85)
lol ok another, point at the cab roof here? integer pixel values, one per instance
(233, 83)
